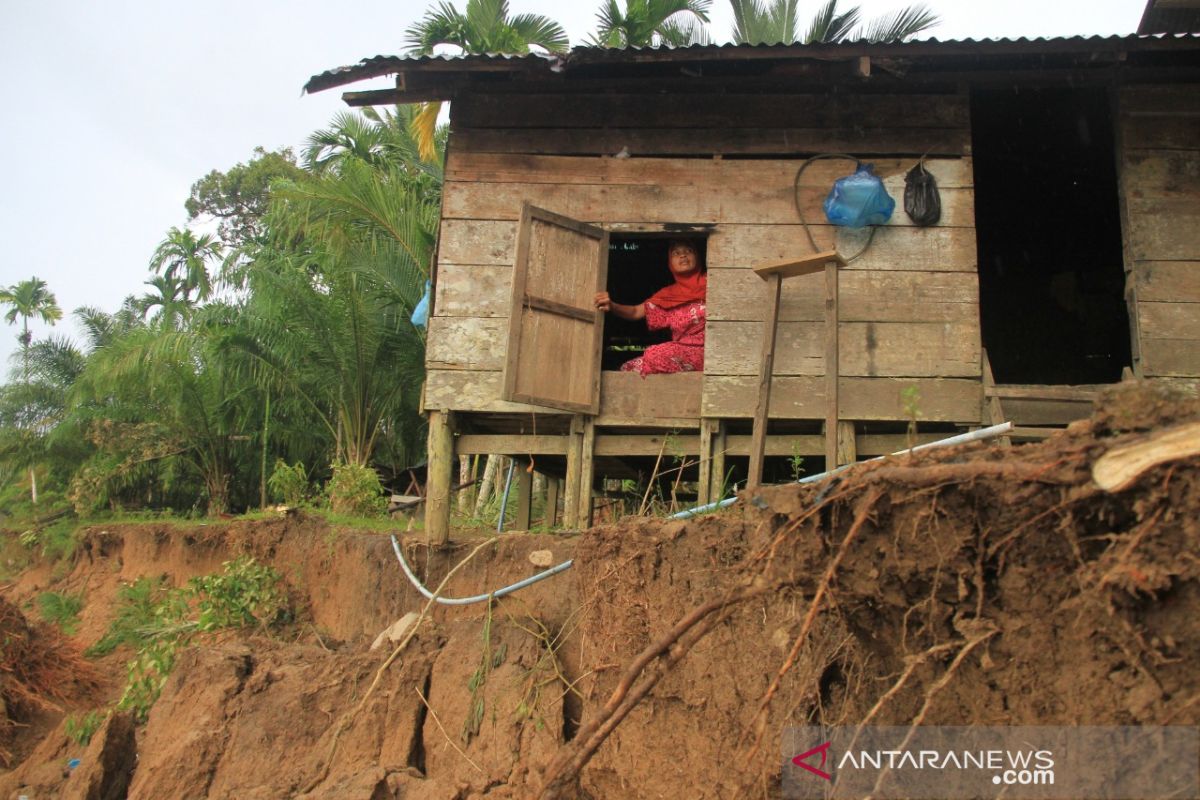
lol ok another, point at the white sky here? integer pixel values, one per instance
(114, 109)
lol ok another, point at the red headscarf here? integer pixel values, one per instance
(688, 288)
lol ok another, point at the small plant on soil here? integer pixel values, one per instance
(80, 728)
(61, 609)
(288, 484)
(356, 490)
(245, 594)
(796, 462)
(134, 620)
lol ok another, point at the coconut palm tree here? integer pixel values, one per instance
(29, 299)
(484, 27)
(184, 256)
(651, 23)
(776, 22)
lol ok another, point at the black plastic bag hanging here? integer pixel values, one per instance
(922, 202)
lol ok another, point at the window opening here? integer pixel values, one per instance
(637, 268)
(1048, 226)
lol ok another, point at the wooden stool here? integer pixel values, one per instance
(774, 273)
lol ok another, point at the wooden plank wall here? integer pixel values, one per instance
(910, 304)
(1160, 187)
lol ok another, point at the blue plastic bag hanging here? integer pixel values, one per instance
(420, 315)
(859, 200)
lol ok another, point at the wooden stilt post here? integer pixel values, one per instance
(774, 273)
(524, 498)
(718, 462)
(440, 476)
(574, 468)
(553, 488)
(587, 471)
(847, 447)
(708, 431)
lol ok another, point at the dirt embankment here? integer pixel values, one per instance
(974, 585)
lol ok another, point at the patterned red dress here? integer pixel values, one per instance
(685, 351)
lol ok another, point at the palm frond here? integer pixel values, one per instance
(902, 25)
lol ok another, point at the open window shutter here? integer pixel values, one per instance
(555, 332)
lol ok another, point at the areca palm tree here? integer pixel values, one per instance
(484, 27)
(169, 298)
(29, 299)
(776, 22)
(184, 256)
(649, 23)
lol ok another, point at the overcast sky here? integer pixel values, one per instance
(114, 109)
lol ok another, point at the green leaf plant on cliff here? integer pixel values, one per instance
(245, 594)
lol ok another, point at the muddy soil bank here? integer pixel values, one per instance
(975, 585)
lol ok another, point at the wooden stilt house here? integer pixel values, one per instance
(1067, 254)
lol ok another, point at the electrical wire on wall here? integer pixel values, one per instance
(800, 209)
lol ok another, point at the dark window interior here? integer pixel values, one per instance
(637, 268)
(1051, 279)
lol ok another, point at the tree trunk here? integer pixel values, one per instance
(33, 485)
(485, 485)
(464, 475)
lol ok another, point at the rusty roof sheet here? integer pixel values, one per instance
(379, 66)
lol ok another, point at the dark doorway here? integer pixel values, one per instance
(637, 268)
(1051, 276)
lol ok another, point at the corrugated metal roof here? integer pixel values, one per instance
(378, 66)
(1169, 17)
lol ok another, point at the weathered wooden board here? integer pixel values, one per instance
(1164, 229)
(629, 395)
(875, 349)
(1160, 133)
(866, 296)
(1169, 321)
(951, 173)
(732, 203)
(471, 444)
(1167, 281)
(1145, 99)
(626, 399)
(940, 249)
(1170, 357)
(466, 343)
(469, 241)
(613, 110)
(1165, 174)
(939, 400)
(473, 291)
(707, 141)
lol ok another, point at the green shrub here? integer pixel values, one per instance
(135, 617)
(288, 485)
(62, 609)
(356, 490)
(246, 593)
(81, 728)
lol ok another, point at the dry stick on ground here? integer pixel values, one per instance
(441, 728)
(865, 505)
(344, 722)
(671, 649)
